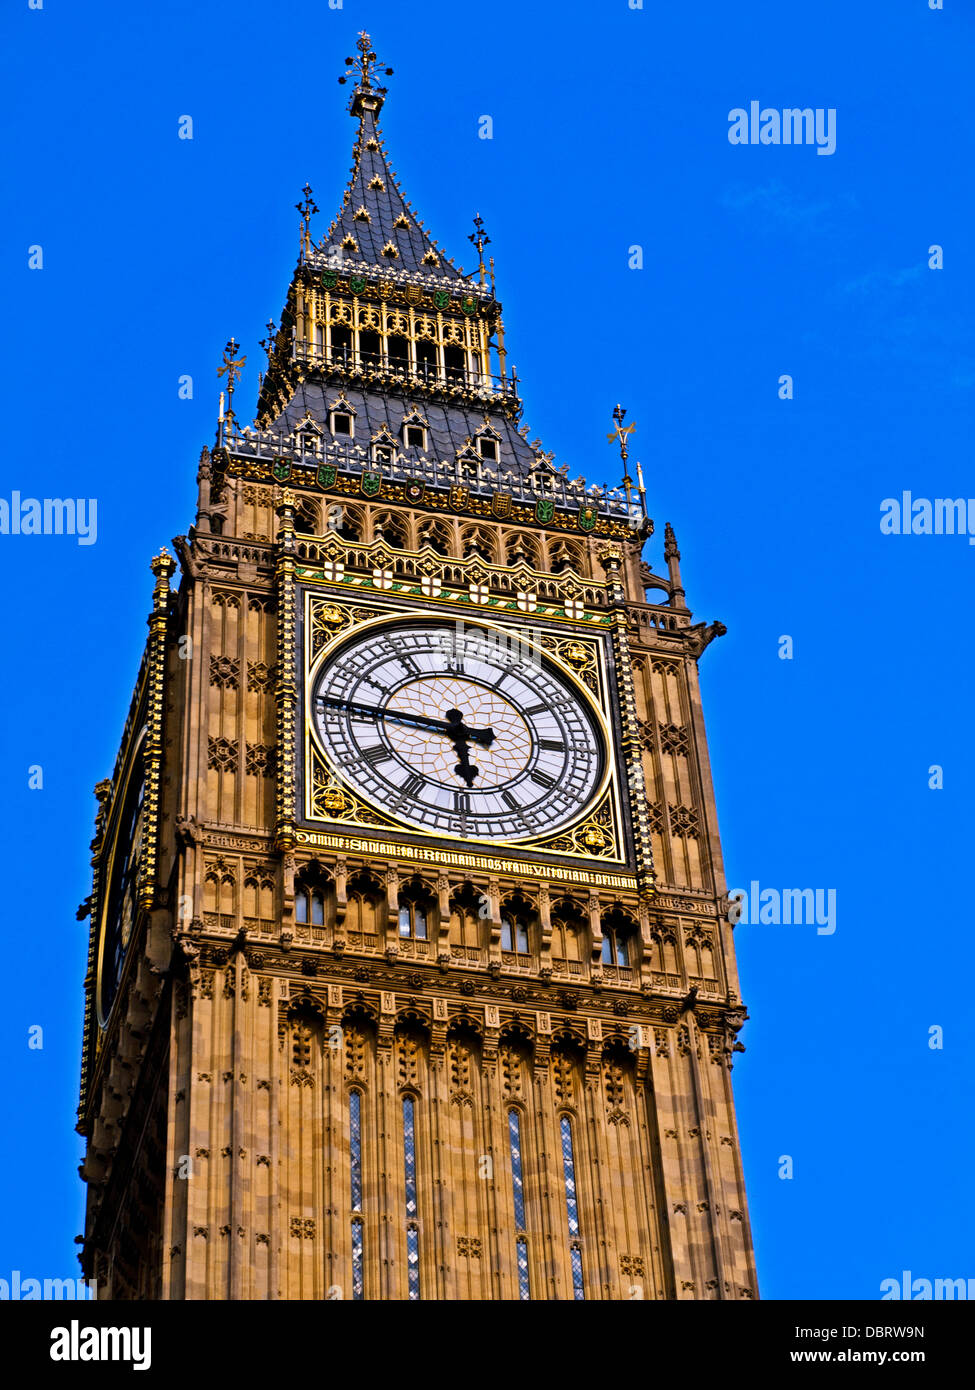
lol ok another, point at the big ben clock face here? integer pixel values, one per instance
(456, 733)
(120, 901)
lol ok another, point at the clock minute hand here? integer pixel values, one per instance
(484, 737)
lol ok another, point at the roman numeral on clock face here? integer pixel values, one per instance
(378, 754)
(552, 745)
(542, 779)
(512, 803)
(411, 787)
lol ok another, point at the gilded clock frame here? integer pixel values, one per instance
(599, 824)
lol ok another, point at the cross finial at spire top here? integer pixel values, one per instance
(480, 239)
(306, 212)
(366, 63)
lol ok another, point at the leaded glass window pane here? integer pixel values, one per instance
(358, 1283)
(572, 1206)
(413, 1263)
(517, 1179)
(578, 1291)
(569, 1173)
(355, 1147)
(524, 1286)
(412, 1231)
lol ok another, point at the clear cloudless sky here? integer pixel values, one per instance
(610, 130)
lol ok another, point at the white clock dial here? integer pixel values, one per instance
(457, 734)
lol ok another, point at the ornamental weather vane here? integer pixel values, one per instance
(480, 239)
(621, 435)
(365, 62)
(306, 212)
(232, 367)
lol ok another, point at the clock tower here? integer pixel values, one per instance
(411, 974)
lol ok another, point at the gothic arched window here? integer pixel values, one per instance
(514, 935)
(310, 897)
(437, 537)
(309, 906)
(568, 933)
(352, 527)
(619, 940)
(365, 904)
(465, 917)
(415, 911)
(412, 919)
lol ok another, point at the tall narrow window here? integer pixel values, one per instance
(518, 1188)
(412, 919)
(615, 948)
(572, 1207)
(355, 1168)
(514, 935)
(412, 1228)
(309, 905)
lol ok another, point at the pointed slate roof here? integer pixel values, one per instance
(373, 187)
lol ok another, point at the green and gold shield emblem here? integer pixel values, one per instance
(370, 484)
(281, 470)
(544, 510)
(468, 304)
(329, 279)
(327, 473)
(414, 492)
(441, 299)
(587, 517)
(357, 284)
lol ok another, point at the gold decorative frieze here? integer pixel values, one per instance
(452, 859)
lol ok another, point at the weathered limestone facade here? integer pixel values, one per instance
(521, 1088)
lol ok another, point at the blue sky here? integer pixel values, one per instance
(610, 131)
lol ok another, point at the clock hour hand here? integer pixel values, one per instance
(459, 735)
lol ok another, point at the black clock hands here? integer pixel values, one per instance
(453, 727)
(460, 735)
